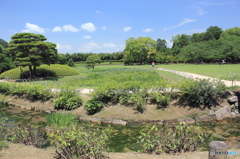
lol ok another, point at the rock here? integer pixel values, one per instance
(119, 122)
(211, 112)
(215, 147)
(84, 118)
(228, 93)
(202, 118)
(37, 109)
(223, 112)
(48, 111)
(107, 121)
(233, 99)
(188, 120)
(95, 120)
(233, 113)
(23, 107)
(29, 108)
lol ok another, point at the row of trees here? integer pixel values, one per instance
(210, 46)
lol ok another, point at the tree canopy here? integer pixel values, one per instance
(32, 50)
(92, 60)
(137, 49)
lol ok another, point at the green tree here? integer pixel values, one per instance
(61, 59)
(3, 43)
(231, 31)
(179, 42)
(213, 33)
(31, 50)
(161, 45)
(5, 62)
(70, 63)
(137, 49)
(92, 60)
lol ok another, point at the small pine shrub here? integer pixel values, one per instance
(201, 92)
(93, 106)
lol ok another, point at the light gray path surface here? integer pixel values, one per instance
(196, 76)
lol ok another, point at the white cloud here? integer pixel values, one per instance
(97, 11)
(89, 47)
(58, 28)
(70, 28)
(147, 30)
(127, 28)
(109, 45)
(63, 48)
(200, 11)
(89, 27)
(33, 28)
(87, 37)
(180, 24)
(104, 28)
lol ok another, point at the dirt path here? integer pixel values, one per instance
(196, 76)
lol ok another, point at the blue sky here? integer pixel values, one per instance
(104, 25)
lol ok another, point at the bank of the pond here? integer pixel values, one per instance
(125, 137)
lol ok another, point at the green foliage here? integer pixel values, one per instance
(3, 145)
(28, 49)
(137, 49)
(27, 135)
(176, 139)
(57, 120)
(5, 62)
(68, 100)
(70, 63)
(92, 60)
(161, 99)
(201, 92)
(93, 106)
(86, 141)
(29, 92)
(42, 71)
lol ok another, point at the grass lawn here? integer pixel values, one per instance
(216, 71)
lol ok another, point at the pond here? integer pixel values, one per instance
(125, 137)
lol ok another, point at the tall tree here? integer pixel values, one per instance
(161, 45)
(3, 43)
(5, 62)
(213, 33)
(137, 49)
(31, 50)
(179, 42)
(231, 31)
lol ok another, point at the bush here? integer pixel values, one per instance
(42, 71)
(201, 92)
(176, 139)
(93, 106)
(86, 141)
(161, 99)
(68, 100)
(60, 120)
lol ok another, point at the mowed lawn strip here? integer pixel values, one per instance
(216, 71)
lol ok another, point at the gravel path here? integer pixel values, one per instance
(196, 76)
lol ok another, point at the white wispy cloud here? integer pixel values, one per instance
(68, 27)
(89, 47)
(58, 28)
(89, 27)
(87, 37)
(200, 11)
(180, 24)
(127, 28)
(63, 48)
(33, 28)
(148, 30)
(104, 28)
(97, 11)
(109, 45)
(215, 4)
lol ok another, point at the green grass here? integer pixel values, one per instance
(216, 71)
(60, 119)
(83, 80)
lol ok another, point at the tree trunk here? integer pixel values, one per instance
(34, 71)
(30, 72)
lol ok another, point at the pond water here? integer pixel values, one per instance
(125, 137)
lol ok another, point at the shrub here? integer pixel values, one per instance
(176, 139)
(3, 145)
(28, 135)
(93, 106)
(60, 120)
(86, 141)
(201, 92)
(42, 71)
(161, 99)
(68, 100)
